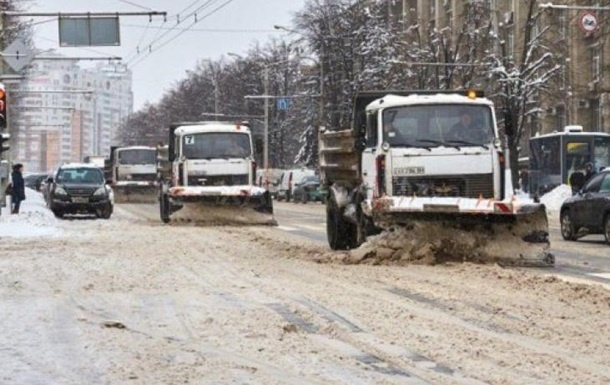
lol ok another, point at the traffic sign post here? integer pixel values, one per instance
(283, 104)
(17, 55)
(588, 22)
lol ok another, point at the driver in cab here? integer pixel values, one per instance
(467, 129)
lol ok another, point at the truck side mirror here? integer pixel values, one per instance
(50, 179)
(360, 144)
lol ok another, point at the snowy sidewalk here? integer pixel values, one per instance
(34, 219)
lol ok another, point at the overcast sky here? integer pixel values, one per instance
(157, 72)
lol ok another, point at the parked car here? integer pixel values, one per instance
(274, 175)
(309, 189)
(79, 189)
(588, 212)
(34, 181)
(285, 188)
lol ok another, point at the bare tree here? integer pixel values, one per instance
(521, 77)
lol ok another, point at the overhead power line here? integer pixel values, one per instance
(196, 20)
(134, 4)
(158, 35)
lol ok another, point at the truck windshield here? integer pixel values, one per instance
(84, 175)
(601, 152)
(438, 125)
(216, 145)
(139, 156)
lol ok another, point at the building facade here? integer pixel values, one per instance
(67, 112)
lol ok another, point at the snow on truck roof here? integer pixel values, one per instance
(135, 148)
(211, 127)
(399, 101)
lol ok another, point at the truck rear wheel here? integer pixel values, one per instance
(341, 234)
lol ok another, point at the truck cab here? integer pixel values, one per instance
(133, 171)
(432, 146)
(212, 154)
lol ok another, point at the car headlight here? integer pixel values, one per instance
(60, 191)
(100, 192)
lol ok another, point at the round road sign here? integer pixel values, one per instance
(588, 22)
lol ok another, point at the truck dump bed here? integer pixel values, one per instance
(339, 159)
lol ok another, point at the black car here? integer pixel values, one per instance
(588, 212)
(34, 181)
(79, 189)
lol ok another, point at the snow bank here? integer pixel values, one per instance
(555, 198)
(34, 219)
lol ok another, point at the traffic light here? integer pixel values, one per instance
(4, 143)
(3, 115)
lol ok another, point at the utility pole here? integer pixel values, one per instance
(266, 131)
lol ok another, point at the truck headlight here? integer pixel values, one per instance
(100, 192)
(60, 191)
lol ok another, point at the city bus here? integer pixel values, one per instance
(554, 157)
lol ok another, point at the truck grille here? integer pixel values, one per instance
(143, 177)
(218, 180)
(81, 192)
(467, 186)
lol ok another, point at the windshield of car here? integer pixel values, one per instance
(216, 145)
(438, 125)
(80, 176)
(139, 156)
(601, 153)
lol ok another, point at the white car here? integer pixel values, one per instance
(288, 180)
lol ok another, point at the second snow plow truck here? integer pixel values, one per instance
(207, 175)
(133, 172)
(429, 169)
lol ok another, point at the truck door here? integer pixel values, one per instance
(369, 164)
(595, 193)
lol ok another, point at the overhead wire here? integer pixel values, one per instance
(133, 54)
(133, 62)
(135, 5)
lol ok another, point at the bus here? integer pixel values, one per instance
(554, 157)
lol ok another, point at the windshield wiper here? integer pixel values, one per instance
(467, 143)
(440, 143)
(409, 145)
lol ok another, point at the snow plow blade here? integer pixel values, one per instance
(519, 238)
(125, 194)
(217, 210)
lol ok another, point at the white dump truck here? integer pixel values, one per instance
(133, 172)
(431, 161)
(207, 174)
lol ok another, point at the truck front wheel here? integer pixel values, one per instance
(164, 207)
(341, 234)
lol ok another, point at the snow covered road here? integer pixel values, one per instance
(131, 301)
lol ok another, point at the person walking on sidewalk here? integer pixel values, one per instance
(18, 192)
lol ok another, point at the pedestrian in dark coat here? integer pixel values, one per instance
(18, 192)
(589, 171)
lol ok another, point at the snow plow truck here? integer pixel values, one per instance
(429, 165)
(133, 172)
(207, 175)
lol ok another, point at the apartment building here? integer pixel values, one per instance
(578, 94)
(67, 111)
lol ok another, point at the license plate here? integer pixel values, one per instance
(80, 200)
(406, 171)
